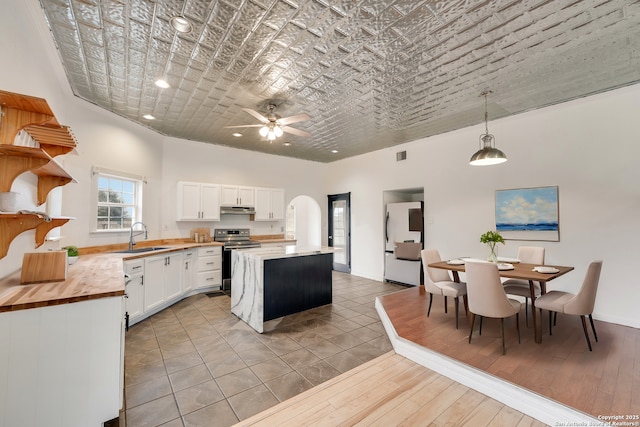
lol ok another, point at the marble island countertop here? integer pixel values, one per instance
(284, 251)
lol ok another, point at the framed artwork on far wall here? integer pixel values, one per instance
(528, 214)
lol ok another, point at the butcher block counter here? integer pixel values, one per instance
(93, 276)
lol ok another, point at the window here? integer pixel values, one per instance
(118, 200)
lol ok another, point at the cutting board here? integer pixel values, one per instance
(41, 267)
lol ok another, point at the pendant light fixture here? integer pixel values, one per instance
(488, 154)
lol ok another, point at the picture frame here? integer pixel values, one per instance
(528, 214)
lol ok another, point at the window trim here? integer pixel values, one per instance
(96, 173)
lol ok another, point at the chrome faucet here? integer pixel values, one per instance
(132, 234)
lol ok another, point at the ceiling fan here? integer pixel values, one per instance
(272, 126)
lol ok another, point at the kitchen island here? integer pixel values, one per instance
(271, 282)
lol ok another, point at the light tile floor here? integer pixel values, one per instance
(196, 364)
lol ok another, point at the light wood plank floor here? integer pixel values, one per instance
(605, 381)
(390, 391)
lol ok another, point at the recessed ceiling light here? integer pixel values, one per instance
(162, 83)
(334, 151)
(237, 134)
(181, 24)
(149, 117)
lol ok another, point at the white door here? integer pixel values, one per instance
(263, 204)
(246, 196)
(188, 201)
(154, 282)
(173, 276)
(134, 302)
(228, 195)
(210, 202)
(188, 270)
(277, 204)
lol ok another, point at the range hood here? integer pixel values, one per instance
(237, 210)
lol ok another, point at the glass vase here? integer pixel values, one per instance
(493, 256)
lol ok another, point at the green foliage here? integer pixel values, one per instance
(491, 238)
(71, 250)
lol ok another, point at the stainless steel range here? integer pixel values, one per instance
(233, 238)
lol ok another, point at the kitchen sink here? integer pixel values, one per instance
(141, 250)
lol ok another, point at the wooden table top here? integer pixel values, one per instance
(520, 270)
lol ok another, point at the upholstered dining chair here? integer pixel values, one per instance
(438, 281)
(528, 255)
(580, 304)
(487, 297)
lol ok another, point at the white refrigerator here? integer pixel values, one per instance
(403, 242)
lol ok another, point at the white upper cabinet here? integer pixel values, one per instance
(269, 204)
(198, 201)
(233, 195)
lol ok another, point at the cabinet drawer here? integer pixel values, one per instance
(209, 278)
(209, 250)
(208, 263)
(134, 267)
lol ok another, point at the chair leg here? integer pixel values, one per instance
(456, 299)
(518, 325)
(593, 327)
(445, 305)
(430, 301)
(465, 300)
(555, 318)
(526, 311)
(504, 349)
(550, 315)
(586, 334)
(473, 320)
(481, 324)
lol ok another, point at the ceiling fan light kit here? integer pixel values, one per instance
(273, 126)
(488, 154)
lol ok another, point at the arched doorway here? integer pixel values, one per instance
(304, 221)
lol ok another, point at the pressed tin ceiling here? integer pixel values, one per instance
(371, 74)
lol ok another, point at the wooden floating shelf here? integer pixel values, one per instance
(12, 224)
(14, 160)
(34, 116)
(43, 228)
(53, 140)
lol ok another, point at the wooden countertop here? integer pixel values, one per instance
(95, 275)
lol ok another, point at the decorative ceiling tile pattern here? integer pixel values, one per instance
(370, 73)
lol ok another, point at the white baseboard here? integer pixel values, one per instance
(532, 404)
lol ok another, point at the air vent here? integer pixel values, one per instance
(401, 155)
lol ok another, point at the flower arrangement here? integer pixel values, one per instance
(491, 238)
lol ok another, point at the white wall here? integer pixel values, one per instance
(587, 147)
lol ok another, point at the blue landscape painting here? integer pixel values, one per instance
(527, 209)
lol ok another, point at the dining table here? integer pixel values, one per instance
(515, 270)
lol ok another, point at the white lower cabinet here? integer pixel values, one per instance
(134, 289)
(209, 267)
(155, 282)
(163, 281)
(61, 365)
(189, 269)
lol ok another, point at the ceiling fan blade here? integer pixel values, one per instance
(257, 115)
(293, 119)
(243, 126)
(295, 131)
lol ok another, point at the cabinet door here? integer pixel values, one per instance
(173, 276)
(277, 204)
(210, 202)
(188, 201)
(153, 282)
(229, 195)
(263, 204)
(134, 301)
(269, 204)
(189, 270)
(246, 196)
